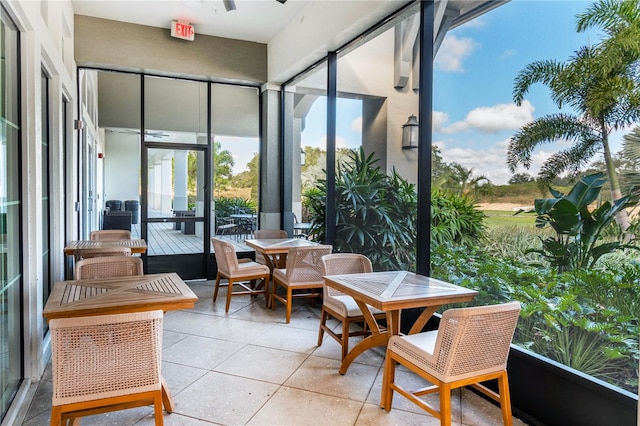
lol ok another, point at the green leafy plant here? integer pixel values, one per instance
(577, 242)
(375, 213)
(455, 219)
(225, 206)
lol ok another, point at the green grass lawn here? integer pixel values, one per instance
(505, 217)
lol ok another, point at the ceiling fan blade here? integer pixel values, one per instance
(230, 5)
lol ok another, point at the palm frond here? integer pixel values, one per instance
(536, 72)
(547, 129)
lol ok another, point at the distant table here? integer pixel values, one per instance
(301, 229)
(105, 296)
(391, 292)
(76, 247)
(246, 216)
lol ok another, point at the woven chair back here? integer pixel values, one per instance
(473, 341)
(110, 235)
(107, 267)
(226, 258)
(266, 234)
(105, 355)
(343, 263)
(304, 264)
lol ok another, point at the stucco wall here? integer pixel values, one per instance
(117, 45)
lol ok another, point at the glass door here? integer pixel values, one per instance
(174, 210)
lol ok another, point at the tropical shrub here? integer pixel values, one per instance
(577, 242)
(226, 206)
(454, 218)
(375, 213)
(585, 319)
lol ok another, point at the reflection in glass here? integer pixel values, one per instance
(10, 225)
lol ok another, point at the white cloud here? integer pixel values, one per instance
(508, 54)
(452, 52)
(491, 162)
(489, 119)
(356, 125)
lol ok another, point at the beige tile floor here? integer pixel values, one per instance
(250, 367)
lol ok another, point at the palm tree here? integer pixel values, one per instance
(604, 93)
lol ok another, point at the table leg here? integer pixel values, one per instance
(167, 399)
(378, 337)
(422, 319)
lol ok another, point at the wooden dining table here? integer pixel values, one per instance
(391, 292)
(275, 250)
(75, 247)
(105, 296)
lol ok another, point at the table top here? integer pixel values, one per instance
(302, 225)
(243, 216)
(75, 298)
(136, 245)
(394, 290)
(278, 245)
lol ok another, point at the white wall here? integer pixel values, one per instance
(121, 167)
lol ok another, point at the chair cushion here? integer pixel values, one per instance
(346, 306)
(417, 348)
(249, 268)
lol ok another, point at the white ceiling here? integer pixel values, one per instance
(253, 20)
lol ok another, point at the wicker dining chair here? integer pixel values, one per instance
(107, 267)
(302, 275)
(266, 234)
(101, 252)
(238, 273)
(110, 235)
(341, 306)
(105, 363)
(470, 346)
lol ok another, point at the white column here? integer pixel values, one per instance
(180, 201)
(165, 190)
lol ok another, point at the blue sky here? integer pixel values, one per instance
(474, 113)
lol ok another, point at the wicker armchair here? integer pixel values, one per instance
(303, 272)
(106, 267)
(471, 346)
(101, 252)
(238, 273)
(265, 234)
(106, 363)
(110, 235)
(340, 306)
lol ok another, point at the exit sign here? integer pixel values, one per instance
(182, 30)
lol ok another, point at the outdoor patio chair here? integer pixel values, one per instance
(106, 363)
(110, 266)
(302, 275)
(266, 234)
(238, 273)
(470, 346)
(101, 252)
(110, 234)
(339, 305)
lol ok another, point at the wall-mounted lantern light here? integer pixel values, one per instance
(410, 133)
(302, 159)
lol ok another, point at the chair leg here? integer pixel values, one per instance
(215, 290)
(388, 378)
(345, 337)
(56, 416)
(323, 322)
(229, 292)
(445, 404)
(157, 409)
(505, 399)
(289, 303)
(267, 295)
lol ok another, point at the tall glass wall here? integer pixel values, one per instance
(10, 206)
(582, 315)
(373, 104)
(306, 130)
(45, 183)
